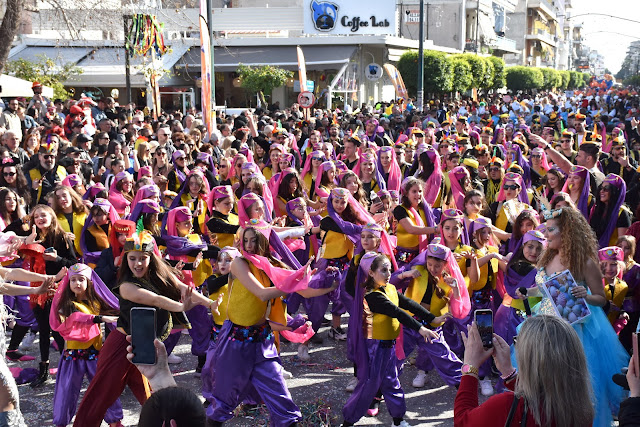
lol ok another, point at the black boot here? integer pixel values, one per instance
(201, 361)
(43, 376)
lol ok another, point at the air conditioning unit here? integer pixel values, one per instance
(174, 35)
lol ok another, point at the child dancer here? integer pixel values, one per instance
(81, 304)
(382, 313)
(615, 289)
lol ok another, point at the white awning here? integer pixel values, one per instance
(13, 87)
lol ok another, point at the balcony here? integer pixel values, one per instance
(543, 36)
(544, 6)
(503, 44)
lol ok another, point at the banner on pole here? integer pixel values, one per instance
(205, 70)
(396, 80)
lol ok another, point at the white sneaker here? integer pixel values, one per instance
(303, 353)
(173, 359)
(286, 374)
(27, 342)
(337, 334)
(420, 379)
(352, 385)
(403, 423)
(486, 388)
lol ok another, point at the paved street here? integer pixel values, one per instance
(324, 377)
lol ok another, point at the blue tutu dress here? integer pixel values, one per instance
(604, 352)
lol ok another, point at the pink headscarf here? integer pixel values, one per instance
(284, 279)
(145, 171)
(80, 326)
(71, 180)
(243, 204)
(540, 152)
(219, 192)
(116, 198)
(175, 215)
(460, 306)
(434, 182)
(517, 178)
(395, 174)
(458, 173)
(232, 169)
(325, 166)
(146, 192)
(307, 163)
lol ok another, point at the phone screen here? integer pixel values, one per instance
(143, 334)
(484, 322)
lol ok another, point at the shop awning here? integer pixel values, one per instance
(61, 55)
(228, 58)
(13, 87)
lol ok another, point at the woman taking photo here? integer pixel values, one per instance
(548, 389)
(144, 280)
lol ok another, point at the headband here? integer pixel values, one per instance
(298, 202)
(373, 228)
(142, 242)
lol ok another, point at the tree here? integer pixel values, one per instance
(9, 28)
(524, 78)
(489, 74)
(263, 79)
(565, 76)
(552, 79)
(45, 71)
(462, 78)
(438, 72)
(576, 80)
(478, 69)
(498, 72)
(632, 81)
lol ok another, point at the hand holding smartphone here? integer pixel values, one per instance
(143, 334)
(484, 323)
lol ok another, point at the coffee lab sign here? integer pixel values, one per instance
(349, 17)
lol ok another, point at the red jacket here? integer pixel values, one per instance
(492, 413)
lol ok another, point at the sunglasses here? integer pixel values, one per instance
(9, 174)
(605, 188)
(181, 158)
(161, 153)
(494, 169)
(319, 159)
(511, 187)
(49, 156)
(536, 156)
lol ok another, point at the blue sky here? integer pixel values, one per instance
(599, 32)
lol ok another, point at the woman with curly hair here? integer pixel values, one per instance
(572, 245)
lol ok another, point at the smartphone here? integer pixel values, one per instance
(484, 322)
(636, 345)
(49, 250)
(143, 334)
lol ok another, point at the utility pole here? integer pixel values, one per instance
(127, 66)
(477, 24)
(420, 98)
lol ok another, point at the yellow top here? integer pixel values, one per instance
(509, 213)
(240, 305)
(204, 270)
(614, 236)
(78, 223)
(383, 326)
(308, 182)
(336, 245)
(406, 240)
(184, 201)
(484, 270)
(226, 239)
(267, 172)
(82, 345)
(218, 319)
(462, 262)
(418, 288)
(619, 293)
(35, 175)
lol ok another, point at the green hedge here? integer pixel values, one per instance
(445, 73)
(524, 78)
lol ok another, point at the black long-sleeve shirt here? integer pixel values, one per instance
(214, 283)
(379, 303)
